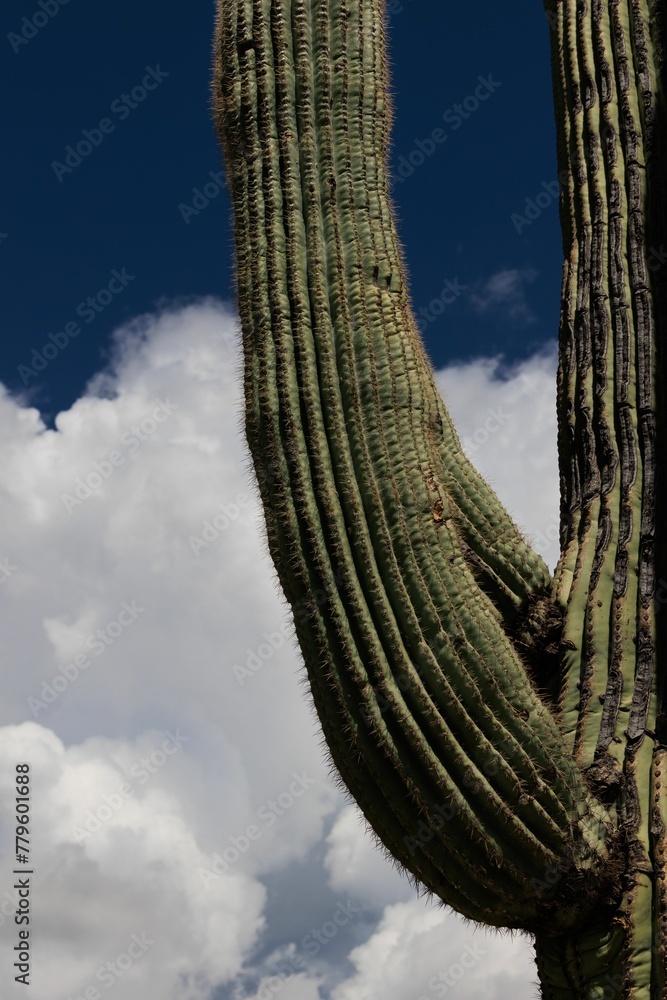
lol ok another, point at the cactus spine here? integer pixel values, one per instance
(498, 729)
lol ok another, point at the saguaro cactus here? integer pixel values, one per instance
(500, 730)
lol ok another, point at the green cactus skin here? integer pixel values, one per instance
(608, 63)
(457, 686)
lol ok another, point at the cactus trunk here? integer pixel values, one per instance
(499, 730)
(608, 68)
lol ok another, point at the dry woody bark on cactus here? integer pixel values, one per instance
(502, 731)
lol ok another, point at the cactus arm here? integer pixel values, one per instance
(423, 699)
(505, 565)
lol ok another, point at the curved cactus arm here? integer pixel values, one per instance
(504, 565)
(372, 510)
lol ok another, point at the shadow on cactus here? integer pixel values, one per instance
(501, 731)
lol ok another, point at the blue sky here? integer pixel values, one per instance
(67, 226)
(187, 828)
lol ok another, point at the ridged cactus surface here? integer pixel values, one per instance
(501, 731)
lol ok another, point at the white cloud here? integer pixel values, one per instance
(355, 865)
(506, 420)
(116, 631)
(139, 601)
(115, 864)
(297, 986)
(420, 951)
(505, 294)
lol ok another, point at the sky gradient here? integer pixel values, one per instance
(144, 196)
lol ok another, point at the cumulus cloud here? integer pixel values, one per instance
(116, 893)
(419, 952)
(506, 420)
(355, 865)
(151, 679)
(140, 602)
